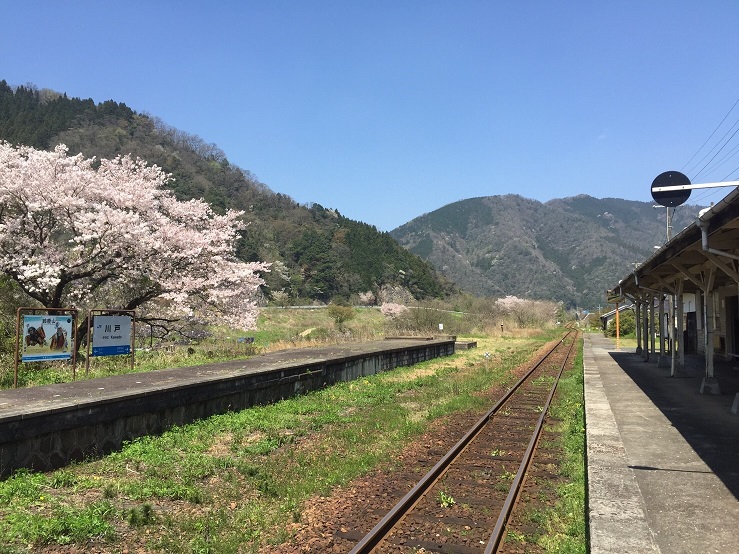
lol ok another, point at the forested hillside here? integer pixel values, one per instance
(569, 249)
(317, 254)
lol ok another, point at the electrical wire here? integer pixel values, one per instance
(710, 136)
(723, 160)
(719, 150)
(730, 174)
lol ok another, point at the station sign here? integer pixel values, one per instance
(111, 335)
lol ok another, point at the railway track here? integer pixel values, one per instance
(463, 504)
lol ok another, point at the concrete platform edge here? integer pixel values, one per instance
(616, 508)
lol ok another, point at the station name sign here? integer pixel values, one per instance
(111, 335)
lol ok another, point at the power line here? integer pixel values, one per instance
(730, 174)
(711, 135)
(720, 149)
(724, 159)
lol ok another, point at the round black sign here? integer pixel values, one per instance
(671, 198)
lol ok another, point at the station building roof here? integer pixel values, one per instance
(708, 246)
(612, 313)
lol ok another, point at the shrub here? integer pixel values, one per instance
(340, 314)
(627, 324)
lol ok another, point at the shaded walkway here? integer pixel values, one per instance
(662, 459)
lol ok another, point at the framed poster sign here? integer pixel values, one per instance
(47, 337)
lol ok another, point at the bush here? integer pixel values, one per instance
(627, 324)
(340, 314)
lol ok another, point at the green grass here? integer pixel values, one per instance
(566, 524)
(237, 481)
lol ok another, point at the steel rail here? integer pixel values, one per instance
(383, 527)
(513, 493)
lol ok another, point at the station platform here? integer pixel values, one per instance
(47, 427)
(663, 459)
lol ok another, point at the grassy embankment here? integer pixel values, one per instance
(236, 482)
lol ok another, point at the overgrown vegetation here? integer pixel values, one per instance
(560, 527)
(566, 524)
(237, 481)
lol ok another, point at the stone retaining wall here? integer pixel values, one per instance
(70, 422)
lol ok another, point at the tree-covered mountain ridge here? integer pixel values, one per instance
(315, 252)
(569, 249)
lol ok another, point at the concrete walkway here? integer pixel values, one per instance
(663, 460)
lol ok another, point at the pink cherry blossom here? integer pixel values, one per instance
(89, 233)
(392, 310)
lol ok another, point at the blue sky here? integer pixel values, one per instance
(386, 110)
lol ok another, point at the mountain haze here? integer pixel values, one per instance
(569, 249)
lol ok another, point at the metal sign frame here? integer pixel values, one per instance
(696, 186)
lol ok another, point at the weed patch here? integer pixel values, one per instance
(236, 482)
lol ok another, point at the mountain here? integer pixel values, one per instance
(317, 254)
(569, 249)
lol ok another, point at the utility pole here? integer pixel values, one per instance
(669, 221)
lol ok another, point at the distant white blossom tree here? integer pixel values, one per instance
(527, 313)
(392, 310)
(89, 233)
(367, 298)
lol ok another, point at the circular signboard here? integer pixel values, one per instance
(670, 198)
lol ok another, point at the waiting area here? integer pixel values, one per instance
(663, 459)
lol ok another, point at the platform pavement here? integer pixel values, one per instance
(663, 460)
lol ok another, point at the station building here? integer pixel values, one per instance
(686, 295)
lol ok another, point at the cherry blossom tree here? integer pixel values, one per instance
(392, 310)
(367, 298)
(527, 313)
(90, 233)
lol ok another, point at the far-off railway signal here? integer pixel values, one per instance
(672, 188)
(674, 196)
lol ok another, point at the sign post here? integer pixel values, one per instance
(613, 297)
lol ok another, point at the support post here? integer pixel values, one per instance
(709, 384)
(645, 328)
(638, 325)
(652, 326)
(680, 325)
(662, 360)
(673, 333)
